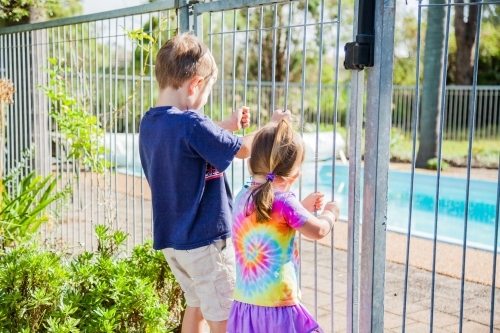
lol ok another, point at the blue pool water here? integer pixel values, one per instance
(451, 210)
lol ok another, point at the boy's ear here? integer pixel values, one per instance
(194, 83)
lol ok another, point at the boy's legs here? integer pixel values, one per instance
(217, 326)
(207, 276)
(193, 320)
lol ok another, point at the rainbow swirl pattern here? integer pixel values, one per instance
(266, 253)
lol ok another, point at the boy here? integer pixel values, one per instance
(184, 155)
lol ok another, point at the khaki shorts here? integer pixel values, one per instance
(207, 276)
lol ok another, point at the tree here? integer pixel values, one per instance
(432, 83)
(465, 34)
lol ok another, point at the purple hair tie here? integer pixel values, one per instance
(270, 177)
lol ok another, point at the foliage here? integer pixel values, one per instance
(25, 202)
(484, 152)
(82, 130)
(16, 10)
(43, 291)
(433, 163)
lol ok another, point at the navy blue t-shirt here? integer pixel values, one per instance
(184, 155)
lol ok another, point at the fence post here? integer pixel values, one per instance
(354, 133)
(183, 12)
(376, 172)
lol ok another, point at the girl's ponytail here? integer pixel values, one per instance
(263, 198)
(275, 152)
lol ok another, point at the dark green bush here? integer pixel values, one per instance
(104, 291)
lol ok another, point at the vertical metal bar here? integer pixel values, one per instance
(489, 94)
(211, 45)
(495, 254)
(452, 128)
(440, 146)
(469, 163)
(150, 102)
(233, 74)
(354, 197)
(197, 23)
(318, 119)
(245, 83)
(413, 160)
(377, 137)
(183, 18)
(302, 104)
(141, 80)
(335, 115)
(8, 114)
(133, 88)
(90, 92)
(66, 144)
(126, 130)
(93, 58)
(233, 90)
(259, 68)
(287, 61)
(114, 121)
(273, 71)
(81, 99)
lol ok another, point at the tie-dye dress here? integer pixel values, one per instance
(266, 294)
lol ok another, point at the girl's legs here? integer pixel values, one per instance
(193, 321)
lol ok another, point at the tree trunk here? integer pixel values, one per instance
(465, 35)
(432, 84)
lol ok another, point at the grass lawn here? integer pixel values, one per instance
(485, 153)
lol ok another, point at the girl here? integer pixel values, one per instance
(265, 218)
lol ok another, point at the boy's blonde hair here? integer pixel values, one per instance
(182, 58)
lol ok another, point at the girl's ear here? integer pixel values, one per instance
(295, 175)
(194, 84)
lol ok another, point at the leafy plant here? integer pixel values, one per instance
(24, 204)
(432, 164)
(81, 129)
(43, 291)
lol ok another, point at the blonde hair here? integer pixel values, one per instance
(182, 58)
(278, 151)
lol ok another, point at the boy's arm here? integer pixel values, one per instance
(246, 146)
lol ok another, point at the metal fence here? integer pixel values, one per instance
(272, 54)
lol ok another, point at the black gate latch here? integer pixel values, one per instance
(359, 54)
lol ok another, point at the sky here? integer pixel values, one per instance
(95, 6)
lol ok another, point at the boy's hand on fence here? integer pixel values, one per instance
(239, 119)
(313, 201)
(244, 120)
(278, 115)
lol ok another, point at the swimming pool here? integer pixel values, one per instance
(451, 212)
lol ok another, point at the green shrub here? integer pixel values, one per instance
(25, 202)
(43, 291)
(432, 164)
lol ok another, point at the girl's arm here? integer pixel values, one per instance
(318, 227)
